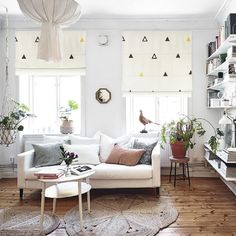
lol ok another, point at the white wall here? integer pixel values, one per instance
(104, 69)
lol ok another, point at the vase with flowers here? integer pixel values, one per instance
(68, 157)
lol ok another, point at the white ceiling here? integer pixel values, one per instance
(139, 8)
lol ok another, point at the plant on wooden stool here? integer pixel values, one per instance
(180, 133)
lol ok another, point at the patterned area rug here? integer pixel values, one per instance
(25, 221)
(122, 215)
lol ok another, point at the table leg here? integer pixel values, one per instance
(183, 166)
(80, 206)
(54, 205)
(42, 206)
(175, 176)
(88, 196)
(170, 172)
(188, 174)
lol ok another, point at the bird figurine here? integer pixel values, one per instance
(145, 121)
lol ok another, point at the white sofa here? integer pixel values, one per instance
(106, 175)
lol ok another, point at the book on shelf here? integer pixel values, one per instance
(49, 174)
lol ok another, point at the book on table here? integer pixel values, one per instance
(78, 170)
(49, 174)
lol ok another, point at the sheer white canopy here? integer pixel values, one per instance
(52, 14)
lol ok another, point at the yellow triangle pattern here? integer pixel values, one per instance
(82, 40)
(188, 39)
(141, 74)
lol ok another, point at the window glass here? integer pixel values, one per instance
(158, 109)
(45, 95)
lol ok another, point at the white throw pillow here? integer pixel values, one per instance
(83, 140)
(87, 154)
(107, 143)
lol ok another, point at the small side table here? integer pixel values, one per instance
(182, 161)
(66, 187)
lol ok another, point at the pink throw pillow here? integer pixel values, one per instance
(123, 156)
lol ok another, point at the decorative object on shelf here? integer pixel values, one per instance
(64, 114)
(103, 95)
(228, 120)
(68, 157)
(12, 113)
(102, 40)
(53, 15)
(180, 133)
(145, 121)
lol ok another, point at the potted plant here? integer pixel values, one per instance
(65, 114)
(10, 124)
(180, 133)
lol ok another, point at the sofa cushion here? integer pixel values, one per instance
(87, 154)
(47, 154)
(112, 171)
(83, 140)
(107, 143)
(147, 155)
(124, 156)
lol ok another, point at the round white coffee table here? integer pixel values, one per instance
(62, 187)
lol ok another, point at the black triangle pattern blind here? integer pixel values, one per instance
(158, 61)
(73, 46)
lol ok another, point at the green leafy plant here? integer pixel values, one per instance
(12, 121)
(65, 112)
(185, 128)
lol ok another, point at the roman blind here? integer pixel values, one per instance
(157, 61)
(73, 51)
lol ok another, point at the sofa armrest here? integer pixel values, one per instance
(156, 166)
(24, 162)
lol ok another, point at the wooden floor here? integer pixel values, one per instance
(206, 208)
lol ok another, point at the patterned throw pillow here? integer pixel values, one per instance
(146, 158)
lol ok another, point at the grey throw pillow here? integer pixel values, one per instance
(47, 154)
(146, 158)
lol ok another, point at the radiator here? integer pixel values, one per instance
(165, 154)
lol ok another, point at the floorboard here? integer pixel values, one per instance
(208, 207)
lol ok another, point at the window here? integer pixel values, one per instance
(45, 95)
(159, 109)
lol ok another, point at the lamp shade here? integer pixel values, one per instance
(225, 120)
(52, 14)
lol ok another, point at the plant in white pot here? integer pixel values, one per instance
(65, 116)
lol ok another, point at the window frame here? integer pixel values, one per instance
(33, 76)
(130, 124)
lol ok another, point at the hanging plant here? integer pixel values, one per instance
(10, 124)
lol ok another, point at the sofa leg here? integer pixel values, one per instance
(21, 193)
(157, 191)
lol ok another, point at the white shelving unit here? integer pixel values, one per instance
(216, 164)
(223, 47)
(226, 84)
(222, 85)
(223, 67)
